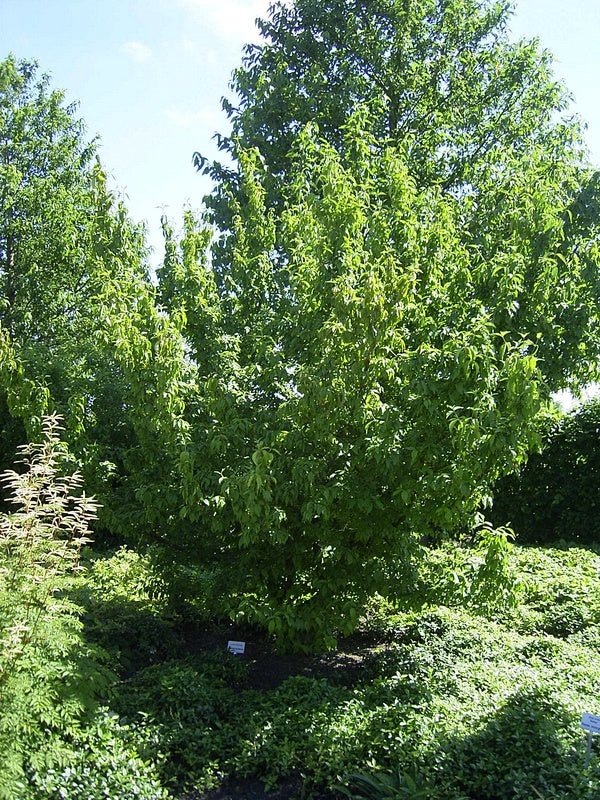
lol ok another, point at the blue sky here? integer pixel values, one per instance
(149, 74)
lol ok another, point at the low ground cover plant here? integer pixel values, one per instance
(472, 706)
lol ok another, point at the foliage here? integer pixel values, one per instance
(557, 593)
(384, 786)
(43, 197)
(477, 116)
(369, 385)
(556, 495)
(186, 716)
(69, 260)
(101, 765)
(48, 676)
(404, 269)
(477, 574)
(469, 707)
(148, 352)
(442, 75)
(454, 702)
(45, 184)
(127, 610)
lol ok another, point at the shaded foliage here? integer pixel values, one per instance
(556, 495)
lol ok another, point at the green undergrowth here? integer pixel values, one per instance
(473, 707)
(128, 612)
(482, 711)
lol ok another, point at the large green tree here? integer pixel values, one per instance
(48, 199)
(406, 267)
(439, 76)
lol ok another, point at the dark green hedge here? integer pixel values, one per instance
(557, 494)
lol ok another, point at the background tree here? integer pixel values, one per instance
(556, 495)
(69, 257)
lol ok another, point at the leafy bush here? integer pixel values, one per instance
(447, 703)
(101, 766)
(186, 716)
(557, 494)
(127, 610)
(558, 592)
(48, 676)
(480, 710)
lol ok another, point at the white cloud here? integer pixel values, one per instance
(137, 51)
(228, 19)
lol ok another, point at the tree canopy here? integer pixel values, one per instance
(477, 116)
(70, 262)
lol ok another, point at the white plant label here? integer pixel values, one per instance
(238, 648)
(591, 723)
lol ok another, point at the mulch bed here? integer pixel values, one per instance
(252, 789)
(267, 668)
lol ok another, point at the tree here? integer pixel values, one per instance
(69, 257)
(406, 267)
(556, 495)
(46, 183)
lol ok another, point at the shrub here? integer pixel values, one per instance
(557, 494)
(186, 716)
(48, 676)
(558, 592)
(127, 610)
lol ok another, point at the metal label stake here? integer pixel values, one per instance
(591, 724)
